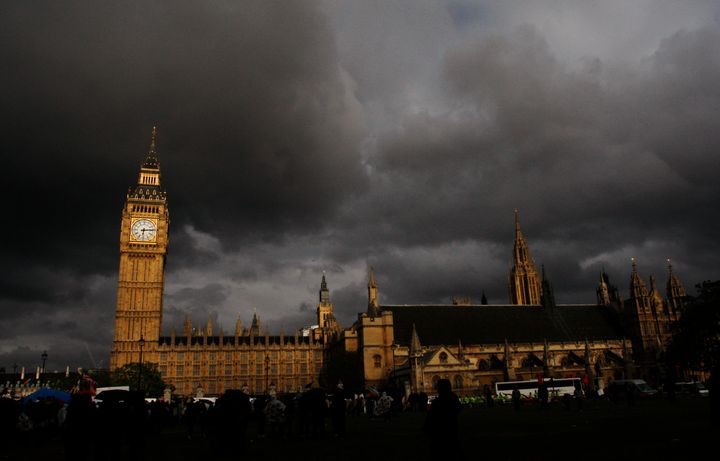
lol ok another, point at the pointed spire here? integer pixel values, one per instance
(603, 292)
(209, 328)
(373, 304)
(675, 293)
(187, 326)
(153, 142)
(238, 327)
(524, 285)
(415, 346)
(324, 291)
(255, 326)
(371, 278)
(518, 231)
(151, 161)
(637, 285)
(547, 297)
(483, 299)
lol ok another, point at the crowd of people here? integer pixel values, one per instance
(90, 427)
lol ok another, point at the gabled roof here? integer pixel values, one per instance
(493, 324)
(432, 357)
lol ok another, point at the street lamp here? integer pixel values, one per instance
(44, 358)
(141, 343)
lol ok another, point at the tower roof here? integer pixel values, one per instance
(151, 161)
(149, 185)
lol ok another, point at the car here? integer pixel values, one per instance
(691, 389)
(622, 389)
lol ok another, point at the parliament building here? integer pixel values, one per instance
(410, 345)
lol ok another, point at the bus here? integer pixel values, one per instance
(557, 387)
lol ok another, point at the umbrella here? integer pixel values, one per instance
(372, 391)
(45, 393)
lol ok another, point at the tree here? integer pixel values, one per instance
(150, 379)
(346, 367)
(696, 339)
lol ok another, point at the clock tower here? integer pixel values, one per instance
(143, 248)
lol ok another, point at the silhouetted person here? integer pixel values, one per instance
(138, 425)
(543, 395)
(630, 393)
(337, 411)
(488, 396)
(230, 420)
(80, 424)
(516, 398)
(441, 423)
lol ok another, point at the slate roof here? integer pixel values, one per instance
(492, 324)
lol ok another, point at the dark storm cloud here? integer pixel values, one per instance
(298, 138)
(598, 158)
(257, 128)
(253, 110)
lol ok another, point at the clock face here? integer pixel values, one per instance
(143, 230)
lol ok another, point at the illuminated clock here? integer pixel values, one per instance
(143, 230)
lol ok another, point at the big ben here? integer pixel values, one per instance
(143, 248)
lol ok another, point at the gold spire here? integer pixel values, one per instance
(153, 142)
(524, 286)
(373, 305)
(518, 231)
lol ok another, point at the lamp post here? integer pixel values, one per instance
(141, 343)
(267, 372)
(44, 357)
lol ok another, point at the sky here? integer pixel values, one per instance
(298, 138)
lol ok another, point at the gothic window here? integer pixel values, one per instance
(377, 361)
(180, 356)
(228, 356)
(212, 355)
(228, 370)
(435, 380)
(196, 356)
(163, 370)
(443, 357)
(196, 370)
(483, 365)
(458, 382)
(212, 370)
(179, 370)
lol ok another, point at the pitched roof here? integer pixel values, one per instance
(492, 324)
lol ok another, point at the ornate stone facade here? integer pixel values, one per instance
(473, 345)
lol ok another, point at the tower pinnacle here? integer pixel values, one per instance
(524, 284)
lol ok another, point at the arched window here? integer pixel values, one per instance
(443, 357)
(377, 361)
(483, 365)
(435, 380)
(458, 382)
